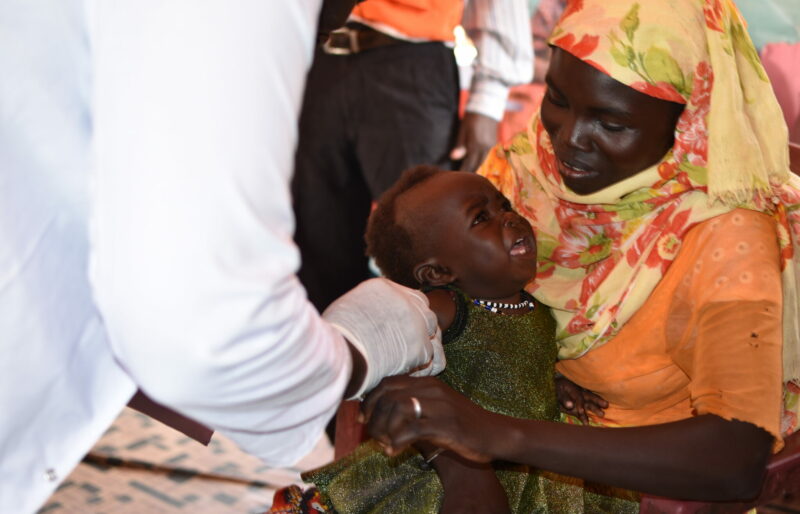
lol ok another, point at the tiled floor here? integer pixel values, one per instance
(141, 466)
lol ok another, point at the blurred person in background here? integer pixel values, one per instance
(383, 95)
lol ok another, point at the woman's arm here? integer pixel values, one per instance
(729, 347)
(701, 458)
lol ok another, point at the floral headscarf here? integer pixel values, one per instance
(601, 255)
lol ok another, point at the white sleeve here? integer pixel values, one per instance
(501, 31)
(193, 265)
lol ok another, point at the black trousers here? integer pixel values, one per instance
(365, 118)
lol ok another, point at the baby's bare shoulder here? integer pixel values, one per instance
(443, 304)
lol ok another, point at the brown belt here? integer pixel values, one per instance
(355, 37)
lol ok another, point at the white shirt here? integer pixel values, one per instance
(501, 32)
(179, 118)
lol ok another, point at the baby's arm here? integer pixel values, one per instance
(577, 401)
(468, 486)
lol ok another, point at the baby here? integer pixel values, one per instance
(454, 235)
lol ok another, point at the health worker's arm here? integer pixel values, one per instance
(193, 264)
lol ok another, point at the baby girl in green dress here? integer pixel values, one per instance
(454, 235)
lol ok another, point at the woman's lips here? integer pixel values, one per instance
(574, 170)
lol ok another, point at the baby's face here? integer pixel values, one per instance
(473, 232)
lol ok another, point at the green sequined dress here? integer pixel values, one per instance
(503, 363)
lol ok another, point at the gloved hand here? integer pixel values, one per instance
(393, 328)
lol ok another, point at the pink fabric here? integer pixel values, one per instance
(782, 62)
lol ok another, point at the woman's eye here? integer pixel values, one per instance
(612, 127)
(554, 98)
(480, 218)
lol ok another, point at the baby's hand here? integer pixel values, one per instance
(577, 401)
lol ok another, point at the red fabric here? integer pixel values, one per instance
(293, 500)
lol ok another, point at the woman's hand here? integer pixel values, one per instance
(446, 418)
(577, 401)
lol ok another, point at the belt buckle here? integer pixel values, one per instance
(342, 41)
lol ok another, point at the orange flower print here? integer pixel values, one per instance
(785, 241)
(595, 275)
(573, 6)
(579, 323)
(662, 90)
(791, 397)
(582, 245)
(547, 159)
(520, 205)
(666, 232)
(666, 170)
(691, 138)
(581, 214)
(666, 249)
(580, 49)
(544, 271)
(713, 13)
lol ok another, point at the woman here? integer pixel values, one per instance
(656, 179)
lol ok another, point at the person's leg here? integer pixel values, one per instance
(365, 119)
(331, 200)
(408, 113)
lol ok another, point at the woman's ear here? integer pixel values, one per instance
(431, 273)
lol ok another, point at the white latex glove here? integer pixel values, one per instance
(393, 328)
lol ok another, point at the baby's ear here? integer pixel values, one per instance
(431, 273)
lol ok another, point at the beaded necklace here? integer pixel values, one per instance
(496, 306)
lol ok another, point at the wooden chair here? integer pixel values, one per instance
(349, 432)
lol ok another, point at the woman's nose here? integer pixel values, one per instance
(575, 133)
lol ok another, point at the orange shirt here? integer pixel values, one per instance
(423, 19)
(707, 341)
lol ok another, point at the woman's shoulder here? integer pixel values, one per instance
(741, 235)
(738, 224)
(733, 256)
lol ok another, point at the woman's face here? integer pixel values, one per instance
(602, 130)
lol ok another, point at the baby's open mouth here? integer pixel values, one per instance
(522, 246)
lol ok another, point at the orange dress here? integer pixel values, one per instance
(707, 341)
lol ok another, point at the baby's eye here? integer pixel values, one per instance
(507, 206)
(480, 218)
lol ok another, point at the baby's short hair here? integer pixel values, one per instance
(390, 244)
